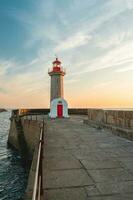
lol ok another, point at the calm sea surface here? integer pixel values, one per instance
(13, 177)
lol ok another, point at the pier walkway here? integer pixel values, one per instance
(85, 163)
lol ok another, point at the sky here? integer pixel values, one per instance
(93, 39)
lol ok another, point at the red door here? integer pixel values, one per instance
(60, 110)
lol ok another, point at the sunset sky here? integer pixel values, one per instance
(92, 38)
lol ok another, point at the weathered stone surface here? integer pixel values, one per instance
(62, 163)
(65, 194)
(122, 187)
(110, 175)
(100, 164)
(13, 135)
(112, 197)
(92, 191)
(66, 178)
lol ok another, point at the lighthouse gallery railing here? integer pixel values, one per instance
(62, 69)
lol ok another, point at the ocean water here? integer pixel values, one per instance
(13, 177)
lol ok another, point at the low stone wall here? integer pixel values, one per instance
(31, 131)
(13, 135)
(77, 111)
(121, 122)
(45, 111)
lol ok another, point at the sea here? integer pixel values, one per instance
(13, 177)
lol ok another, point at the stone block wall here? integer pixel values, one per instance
(75, 111)
(31, 131)
(120, 121)
(13, 135)
(123, 119)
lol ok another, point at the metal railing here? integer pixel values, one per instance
(33, 117)
(38, 182)
(62, 69)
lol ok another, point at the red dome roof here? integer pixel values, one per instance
(57, 61)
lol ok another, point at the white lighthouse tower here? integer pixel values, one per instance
(58, 105)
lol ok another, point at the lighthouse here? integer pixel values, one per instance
(58, 105)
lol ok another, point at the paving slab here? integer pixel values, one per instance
(110, 175)
(92, 190)
(66, 178)
(62, 163)
(100, 164)
(112, 197)
(122, 187)
(66, 194)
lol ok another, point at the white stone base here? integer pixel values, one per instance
(53, 108)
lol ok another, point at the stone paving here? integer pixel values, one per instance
(85, 163)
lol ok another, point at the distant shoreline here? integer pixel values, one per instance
(3, 110)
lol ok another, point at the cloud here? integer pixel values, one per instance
(90, 36)
(125, 69)
(74, 80)
(129, 4)
(101, 85)
(86, 32)
(118, 57)
(22, 81)
(77, 40)
(41, 26)
(5, 65)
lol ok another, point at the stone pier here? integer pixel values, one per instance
(86, 163)
(80, 162)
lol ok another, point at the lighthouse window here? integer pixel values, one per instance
(59, 101)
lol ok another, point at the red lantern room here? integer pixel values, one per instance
(56, 65)
(57, 68)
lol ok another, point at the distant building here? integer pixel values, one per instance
(58, 105)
